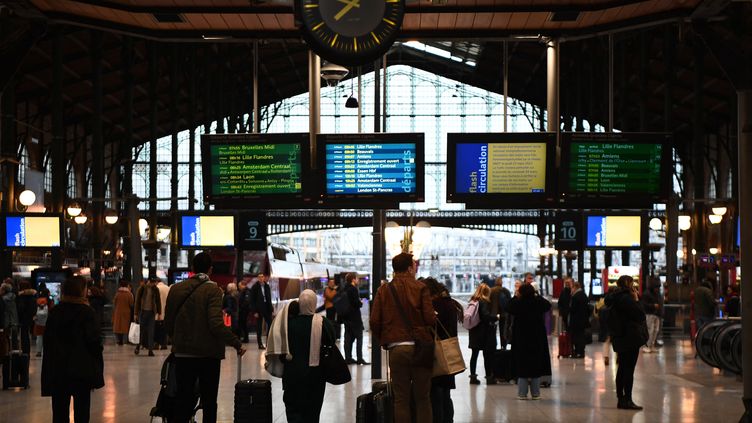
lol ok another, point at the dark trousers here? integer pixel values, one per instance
(488, 357)
(303, 403)
(120, 337)
(626, 362)
(442, 405)
(260, 325)
(206, 371)
(502, 335)
(25, 338)
(160, 333)
(243, 325)
(578, 341)
(331, 314)
(353, 333)
(564, 320)
(146, 320)
(61, 406)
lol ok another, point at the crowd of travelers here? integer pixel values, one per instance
(408, 314)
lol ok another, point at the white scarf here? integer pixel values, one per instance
(277, 345)
(307, 302)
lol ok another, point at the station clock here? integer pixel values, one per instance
(350, 32)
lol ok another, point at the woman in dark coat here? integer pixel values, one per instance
(483, 336)
(303, 383)
(530, 346)
(26, 306)
(629, 332)
(448, 313)
(72, 364)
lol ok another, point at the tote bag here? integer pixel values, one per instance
(134, 333)
(448, 358)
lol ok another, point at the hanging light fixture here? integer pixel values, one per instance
(80, 219)
(656, 224)
(720, 210)
(352, 102)
(74, 209)
(713, 250)
(111, 216)
(715, 218)
(685, 222)
(27, 198)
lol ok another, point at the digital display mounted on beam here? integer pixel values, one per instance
(252, 166)
(509, 170)
(382, 168)
(616, 169)
(33, 230)
(614, 231)
(201, 230)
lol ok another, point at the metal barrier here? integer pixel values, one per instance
(718, 344)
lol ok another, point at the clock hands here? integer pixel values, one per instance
(349, 4)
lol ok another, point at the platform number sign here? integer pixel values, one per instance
(252, 231)
(569, 231)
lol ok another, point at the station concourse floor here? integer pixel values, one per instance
(672, 385)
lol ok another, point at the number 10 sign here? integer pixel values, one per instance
(568, 231)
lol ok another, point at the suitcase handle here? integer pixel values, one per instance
(240, 365)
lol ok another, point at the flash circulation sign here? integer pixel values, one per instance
(501, 168)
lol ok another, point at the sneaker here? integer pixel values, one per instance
(536, 397)
(647, 349)
(522, 397)
(39, 354)
(137, 350)
(151, 353)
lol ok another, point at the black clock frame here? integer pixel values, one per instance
(363, 49)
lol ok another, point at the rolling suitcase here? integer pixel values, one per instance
(503, 366)
(253, 400)
(376, 406)
(16, 370)
(565, 345)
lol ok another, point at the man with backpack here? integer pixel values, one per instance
(500, 299)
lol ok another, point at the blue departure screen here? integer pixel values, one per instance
(371, 168)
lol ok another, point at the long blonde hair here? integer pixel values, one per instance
(482, 292)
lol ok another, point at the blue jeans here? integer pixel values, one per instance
(523, 383)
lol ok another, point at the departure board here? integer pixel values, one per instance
(615, 168)
(252, 166)
(240, 169)
(371, 168)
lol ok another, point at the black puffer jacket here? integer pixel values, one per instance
(626, 321)
(72, 350)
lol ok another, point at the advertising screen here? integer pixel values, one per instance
(242, 166)
(25, 231)
(207, 231)
(616, 166)
(373, 166)
(613, 231)
(484, 168)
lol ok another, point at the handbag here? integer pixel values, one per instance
(227, 319)
(333, 364)
(448, 358)
(134, 333)
(423, 354)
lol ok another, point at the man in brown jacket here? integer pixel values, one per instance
(193, 319)
(388, 325)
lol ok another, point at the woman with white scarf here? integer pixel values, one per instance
(303, 379)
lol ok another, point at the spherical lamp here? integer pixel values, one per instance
(715, 218)
(713, 250)
(27, 198)
(80, 219)
(656, 224)
(110, 216)
(74, 209)
(720, 210)
(685, 222)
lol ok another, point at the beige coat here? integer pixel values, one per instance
(121, 314)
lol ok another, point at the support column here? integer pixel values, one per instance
(134, 262)
(745, 210)
(8, 162)
(256, 55)
(672, 208)
(153, 74)
(699, 224)
(97, 156)
(59, 171)
(505, 84)
(379, 226)
(192, 125)
(174, 101)
(552, 85)
(314, 100)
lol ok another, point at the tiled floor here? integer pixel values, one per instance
(671, 384)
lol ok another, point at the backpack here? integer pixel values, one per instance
(471, 317)
(342, 303)
(613, 320)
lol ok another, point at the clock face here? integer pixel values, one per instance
(350, 32)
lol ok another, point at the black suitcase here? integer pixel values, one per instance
(16, 370)
(253, 400)
(367, 411)
(503, 366)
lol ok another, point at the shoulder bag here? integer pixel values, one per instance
(332, 363)
(423, 354)
(448, 355)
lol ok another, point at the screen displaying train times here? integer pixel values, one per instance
(371, 168)
(500, 168)
(615, 168)
(241, 169)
